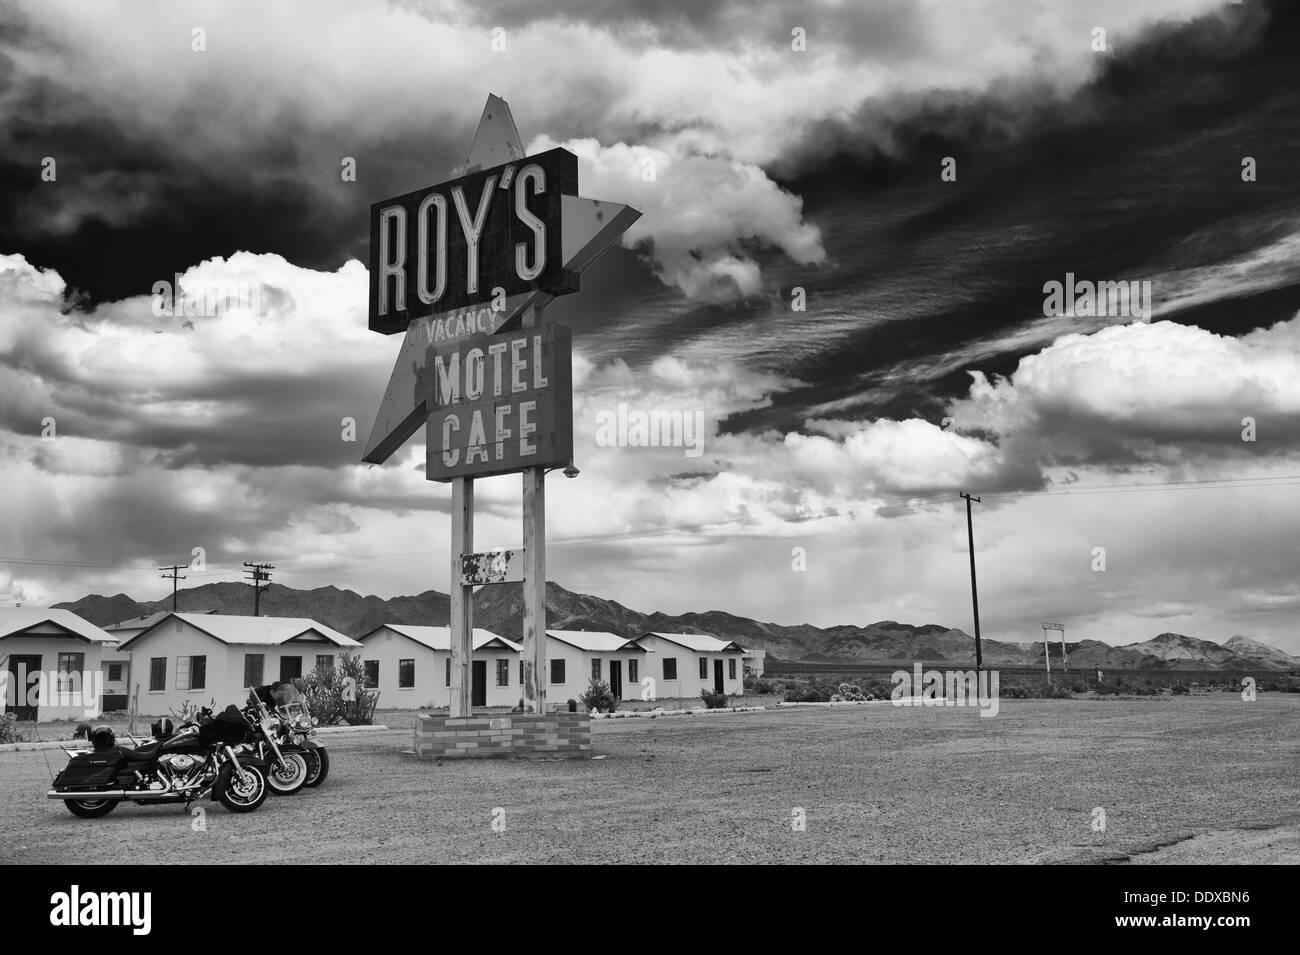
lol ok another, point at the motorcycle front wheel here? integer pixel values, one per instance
(288, 777)
(245, 791)
(318, 766)
(91, 808)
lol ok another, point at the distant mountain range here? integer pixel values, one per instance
(500, 608)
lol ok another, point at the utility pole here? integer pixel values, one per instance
(974, 591)
(259, 573)
(175, 569)
(1047, 658)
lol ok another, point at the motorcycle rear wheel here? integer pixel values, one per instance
(288, 777)
(318, 766)
(245, 791)
(91, 808)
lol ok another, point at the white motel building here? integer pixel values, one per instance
(170, 659)
(411, 667)
(41, 650)
(204, 658)
(686, 663)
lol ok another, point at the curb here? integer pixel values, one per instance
(696, 711)
(783, 705)
(369, 728)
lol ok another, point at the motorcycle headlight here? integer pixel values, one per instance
(315, 721)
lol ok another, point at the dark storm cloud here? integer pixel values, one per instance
(889, 30)
(169, 156)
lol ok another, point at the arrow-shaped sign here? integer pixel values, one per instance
(588, 228)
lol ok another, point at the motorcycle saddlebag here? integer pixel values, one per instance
(90, 770)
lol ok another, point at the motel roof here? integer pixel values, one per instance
(699, 642)
(146, 621)
(14, 621)
(596, 641)
(250, 631)
(439, 638)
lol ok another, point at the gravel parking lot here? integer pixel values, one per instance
(1206, 778)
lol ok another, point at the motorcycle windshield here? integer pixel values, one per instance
(286, 694)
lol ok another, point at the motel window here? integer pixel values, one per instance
(114, 672)
(254, 666)
(595, 669)
(503, 673)
(157, 674)
(405, 674)
(372, 674)
(324, 663)
(182, 673)
(70, 663)
(557, 672)
(631, 671)
(521, 672)
(670, 668)
(198, 673)
(704, 668)
(449, 669)
(731, 669)
(290, 668)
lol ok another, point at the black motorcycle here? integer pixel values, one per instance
(285, 759)
(295, 727)
(206, 758)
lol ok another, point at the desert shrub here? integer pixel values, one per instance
(324, 691)
(761, 686)
(849, 692)
(599, 697)
(1057, 692)
(878, 689)
(713, 699)
(1079, 687)
(189, 711)
(9, 731)
(1180, 689)
(808, 692)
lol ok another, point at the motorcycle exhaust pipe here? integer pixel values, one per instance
(142, 794)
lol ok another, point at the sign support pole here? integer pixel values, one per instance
(462, 596)
(534, 634)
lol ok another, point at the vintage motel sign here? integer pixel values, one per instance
(586, 228)
(465, 269)
(500, 403)
(449, 246)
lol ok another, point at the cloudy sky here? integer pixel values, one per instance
(795, 145)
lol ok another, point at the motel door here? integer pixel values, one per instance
(24, 683)
(717, 675)
(616, 678)
(478, 692)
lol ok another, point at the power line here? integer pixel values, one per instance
(174, 568)
(259, 573)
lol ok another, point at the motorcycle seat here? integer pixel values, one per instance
(141, 754)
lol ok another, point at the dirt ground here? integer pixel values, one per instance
(1206, 779)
